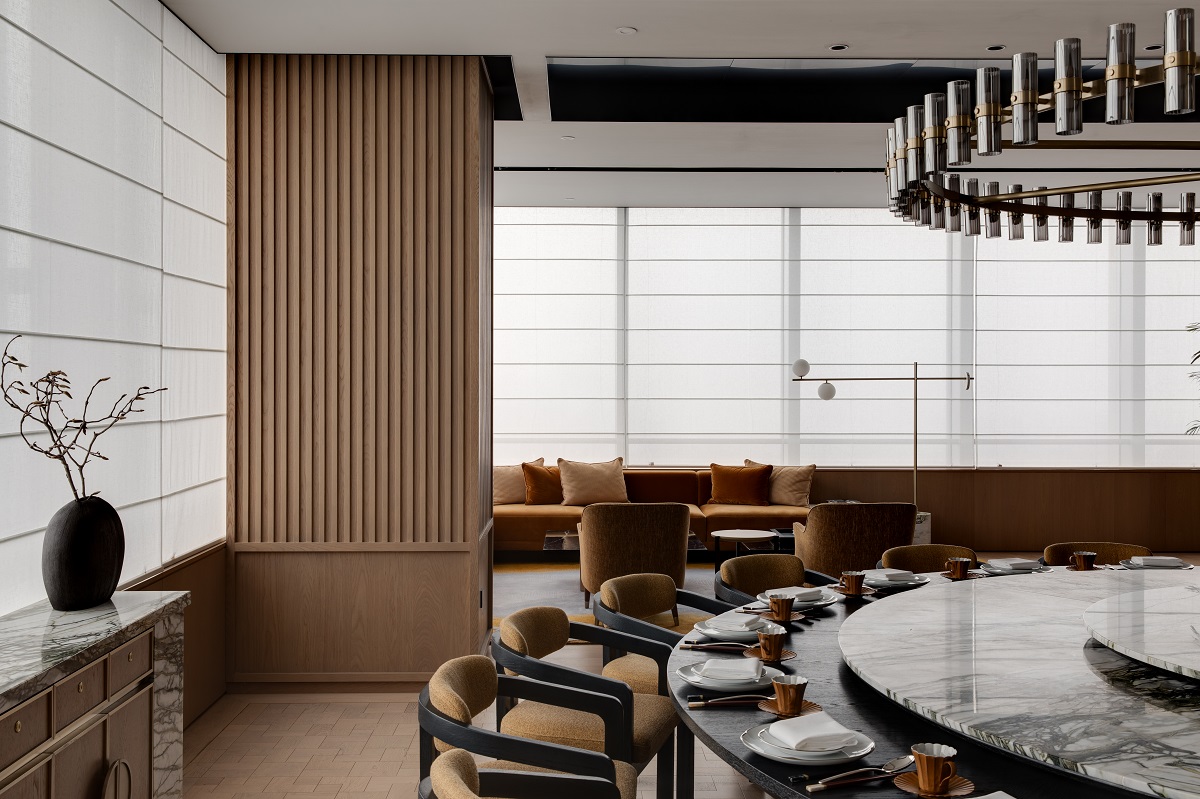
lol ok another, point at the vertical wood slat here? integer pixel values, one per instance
(358, 191)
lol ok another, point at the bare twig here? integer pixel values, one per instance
(72, 438)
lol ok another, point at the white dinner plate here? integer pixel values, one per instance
(990, 569)
(827, 598)
(1129, 564)
(708, 631)
(754, 741)
(883, 584)
(689, 674)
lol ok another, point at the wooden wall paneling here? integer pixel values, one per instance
(361, 215)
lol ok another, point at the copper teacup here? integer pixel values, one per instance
(959, 568)
(1083, 561)
(781, 606)
(935, 767)
(770, 643)
(789, 693)
(852, 581)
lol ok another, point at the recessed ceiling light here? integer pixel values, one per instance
(995, 48)
(1152, 47)
(568, 198)
(626, 31)
(567, 138)
(837, 48)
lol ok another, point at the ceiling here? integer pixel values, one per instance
(702, 163)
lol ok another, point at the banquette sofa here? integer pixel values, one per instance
(524, 527)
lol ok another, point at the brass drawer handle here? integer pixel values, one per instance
(80, 687)
(129, 657)
(17, 726)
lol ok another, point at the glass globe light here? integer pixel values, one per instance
(826, 391)
(800, 368)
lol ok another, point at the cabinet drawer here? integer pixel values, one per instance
(78, 693)
(33, 784)
(128, 662)
(24, 728)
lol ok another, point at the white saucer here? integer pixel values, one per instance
(990, 569)
(1129, 564)
(689, 675)
(755, 741)
(827, 598)
(881, 584)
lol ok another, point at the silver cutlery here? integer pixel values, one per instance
(888, 769)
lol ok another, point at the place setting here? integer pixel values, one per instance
(810, 739)
(732, 626)
(1156, 562)
(802, 598)
(893, 579)
(729, 675)
(1001, 567)
(935, 774)
(852, 585)
(960, 569)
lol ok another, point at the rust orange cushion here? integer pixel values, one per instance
(542, 484)
(741, 485)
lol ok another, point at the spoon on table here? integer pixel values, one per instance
(862, 774)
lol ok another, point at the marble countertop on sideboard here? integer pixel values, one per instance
(1009, 661)
(40, 645)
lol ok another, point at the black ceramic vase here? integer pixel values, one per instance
(82, 554)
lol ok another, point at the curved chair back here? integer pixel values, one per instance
(1106, 552)
(536, 632)
(920, 558)
(753, 574)
(463, 688)
(620, 538)
(843, 536)
(640, 595)
(455, 776)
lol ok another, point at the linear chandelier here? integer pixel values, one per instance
(939, 133)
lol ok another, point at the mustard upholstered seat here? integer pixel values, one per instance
(463, 687)
(921, 558)
(619, 538)
(647, 605)
(1106, 552)
(844, 536)
(526, 637)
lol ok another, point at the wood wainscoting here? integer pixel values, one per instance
(360, 208)
(1024, 510)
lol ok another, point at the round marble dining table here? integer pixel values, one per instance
(910, 638)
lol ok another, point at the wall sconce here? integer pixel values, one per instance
(987, 112)
(1024, 99)
(1068, 87)
(1119, 75)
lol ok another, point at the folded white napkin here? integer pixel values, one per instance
(797, 593)
(817, 732)
(1157, 560)
(998, 795)
(739, 623)
(896, 575)
(1015, 564)
(732, 669)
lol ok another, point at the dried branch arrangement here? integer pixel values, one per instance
(72, 438)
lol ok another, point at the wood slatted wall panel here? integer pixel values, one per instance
(360, 331)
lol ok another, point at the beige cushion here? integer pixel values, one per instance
(626, 774)
(508, 483)
(586, 483)
(654, 720)
(790, 485)
(637, 671)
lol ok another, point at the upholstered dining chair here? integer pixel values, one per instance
(643, 605)
(742, 579)
(1106, 552)
(464, 687)
(844, 536)
(455, 776)
(619, 538)
(526, 637)
(919, 558)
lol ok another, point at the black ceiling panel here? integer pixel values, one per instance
(504, 87)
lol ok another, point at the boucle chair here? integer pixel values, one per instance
(634, 604)
(921, 558)
(619, 538)
(455, 776)
(742, 579)
(1106, 552)
(464, 687)
(846, 536)
(526, 637)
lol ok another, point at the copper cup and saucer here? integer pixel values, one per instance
(770, 645)
(936, 774)
(960, 569)
(1083, 561)
(781, 609)
(789, 698)
(851, 585)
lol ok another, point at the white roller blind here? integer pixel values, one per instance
(665, 335)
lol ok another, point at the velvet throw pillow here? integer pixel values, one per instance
(741, 485)
(508, 484)
(542, 484)
(790, 485)
(585, 483)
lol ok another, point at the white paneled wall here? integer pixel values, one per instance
(112, 264)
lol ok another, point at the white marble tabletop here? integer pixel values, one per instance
(744, 535)
(1160, 627)
(39, 644)
(1009, 661)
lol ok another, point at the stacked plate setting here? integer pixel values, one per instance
(760, 741)
(691, 674)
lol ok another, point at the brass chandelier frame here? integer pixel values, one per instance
(922, 188)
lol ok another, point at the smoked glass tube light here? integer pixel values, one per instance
(1016, 221)
(992, 228)
(1119, 75)
(1041, 222)
(1179, 61)
(933, 136)
(1154, 227)
(1066, 224)
(914, 153)
(900, 132)
(958, 123)
(987, 111)
(1124, 226)
(1187, 230)
(954, 210)
(1024, 99)
(1068, 87)
(972, 211)
(1095, 227)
